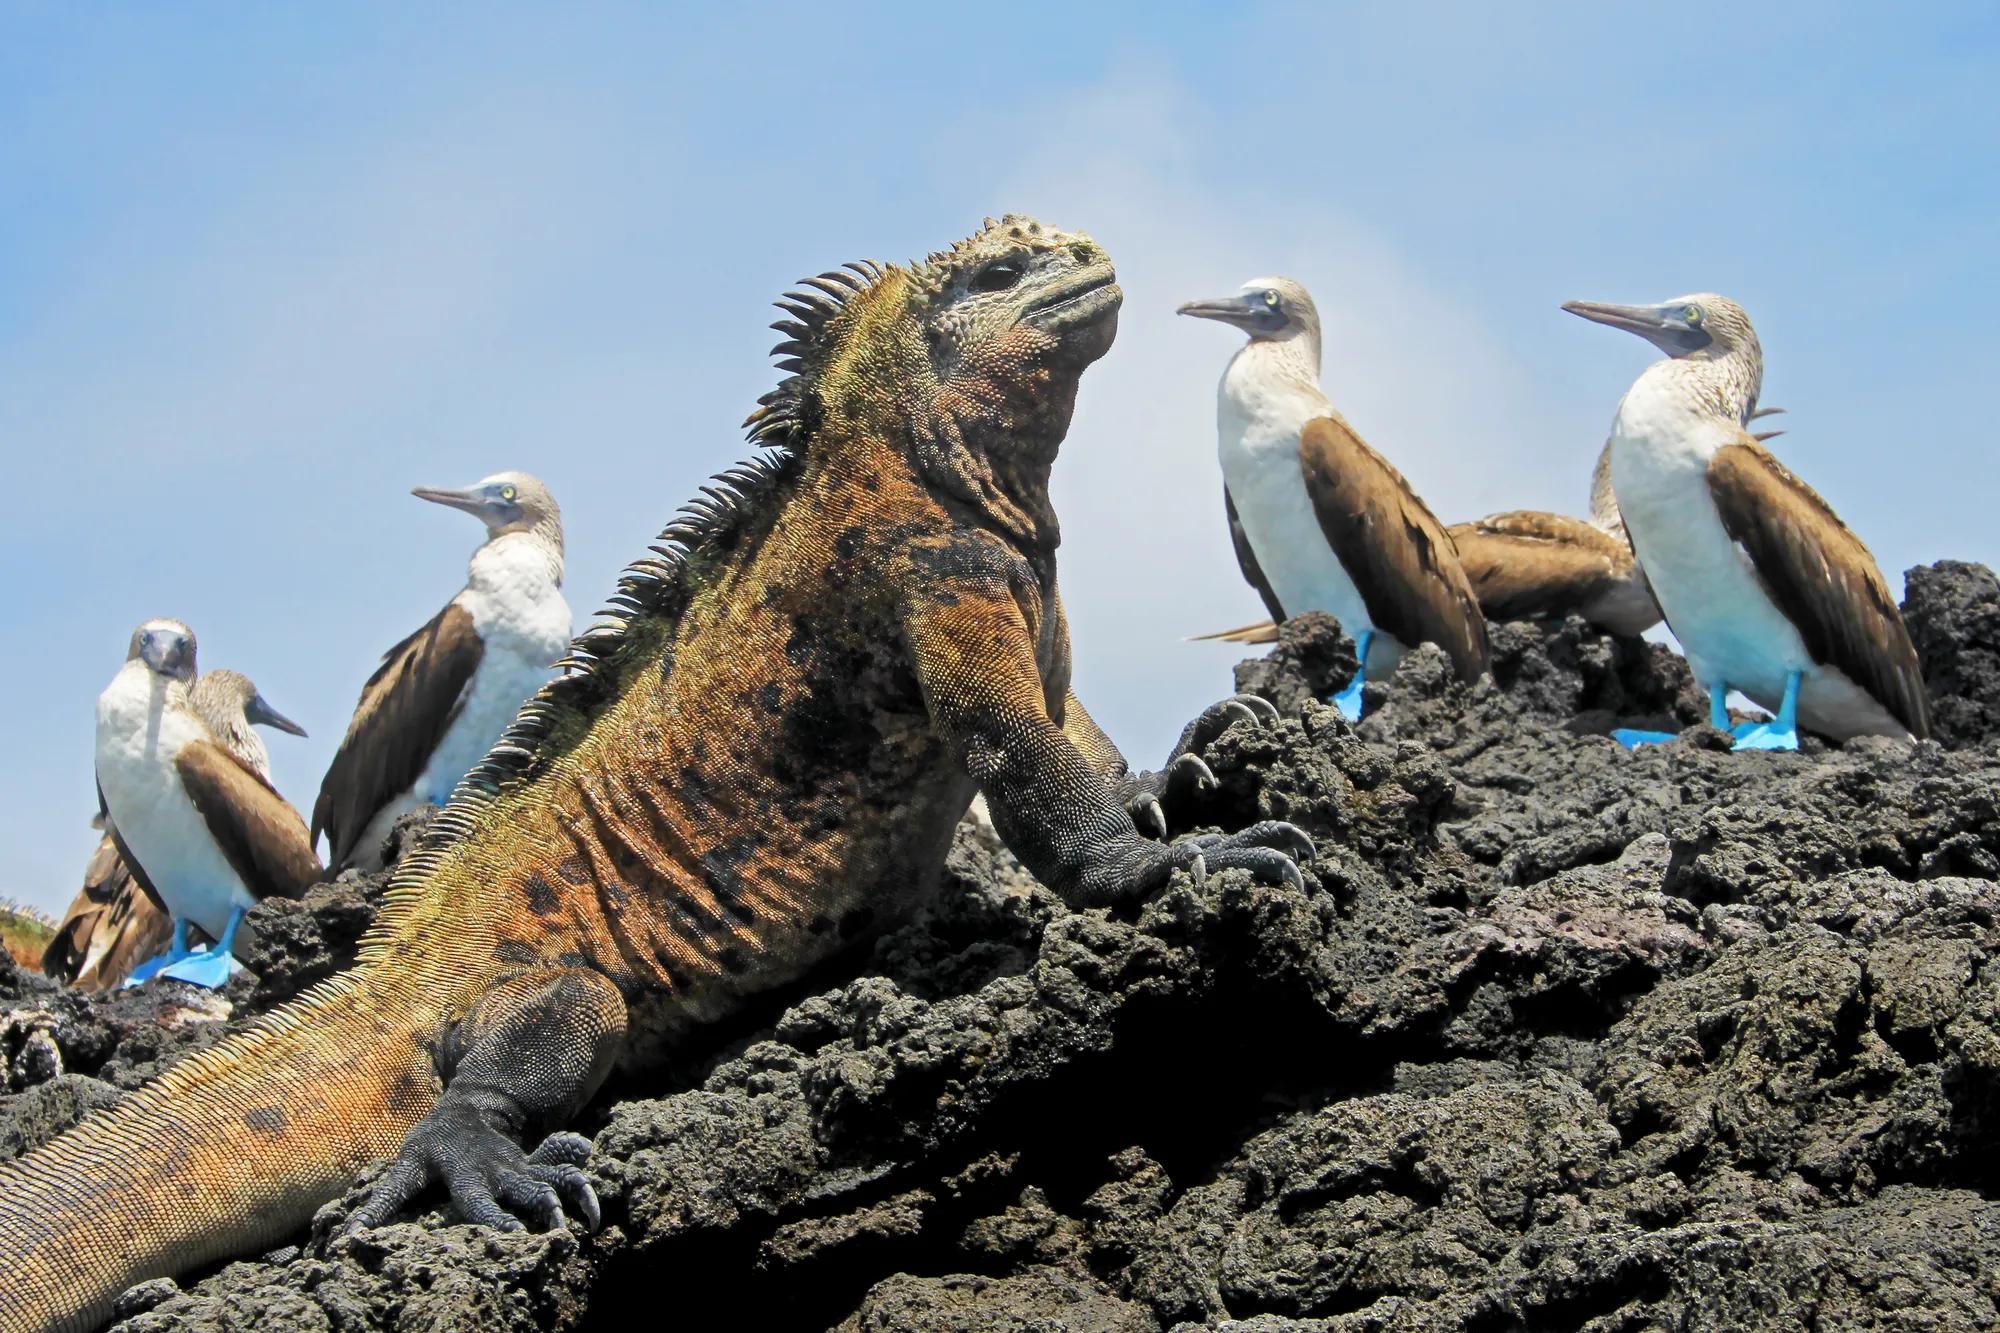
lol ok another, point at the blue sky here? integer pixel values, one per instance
(263, 269)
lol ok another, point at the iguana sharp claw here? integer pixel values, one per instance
(1204, 776)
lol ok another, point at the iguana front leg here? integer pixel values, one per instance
(974, 660)
(524, 1060)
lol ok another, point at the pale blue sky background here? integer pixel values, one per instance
(264, 268)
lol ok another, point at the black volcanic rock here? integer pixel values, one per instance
(1555, 1036)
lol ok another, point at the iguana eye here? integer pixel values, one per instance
(997, 277)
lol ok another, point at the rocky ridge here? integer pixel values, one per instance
(1555, 1036)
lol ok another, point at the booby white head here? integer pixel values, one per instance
(443, 696)
(201, 830)
(1768, 592)
(510, 504)
(231, 704)
(1320, 521)
(164, 648)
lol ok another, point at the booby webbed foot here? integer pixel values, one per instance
(1348, 700)
(1764, 736)
(206, 967)
(1782, 731)
(159, 963)
(214, 966)
(1634, 737)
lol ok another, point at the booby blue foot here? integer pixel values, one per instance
(1781, 732)
(1764, 736)
(215, 966)
(1632, 737)
(1348, 700)
(211, 968)
(159, 963)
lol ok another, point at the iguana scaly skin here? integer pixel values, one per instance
(756, 763)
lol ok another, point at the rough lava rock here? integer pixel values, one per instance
(1555, 1036)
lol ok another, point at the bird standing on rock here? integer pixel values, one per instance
(443, 696)
(1320, 521)
(1767, 590)
(114, 923)
(201, 830)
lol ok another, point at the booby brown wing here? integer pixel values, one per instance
(405, 709)
(1525, 564)
(261, 836)
(1246, 560)
(1400, 557)
(1821, 576)
(111, 926)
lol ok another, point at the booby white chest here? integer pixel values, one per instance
(518, 611)
(143, 721)
(1260, 412)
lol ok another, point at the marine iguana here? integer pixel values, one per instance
(753, 764)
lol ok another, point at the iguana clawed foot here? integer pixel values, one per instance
(1271, 851)
(1186, 771)
(492, 1182)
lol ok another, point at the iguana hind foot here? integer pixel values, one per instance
(532, 1051)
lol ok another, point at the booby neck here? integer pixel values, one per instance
(1674, 399)
(499, 565)
(1272, 384)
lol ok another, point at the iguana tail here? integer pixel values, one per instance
(232, 1149)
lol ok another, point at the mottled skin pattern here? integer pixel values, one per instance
(757, 765)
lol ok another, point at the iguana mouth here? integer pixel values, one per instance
(1075, 298)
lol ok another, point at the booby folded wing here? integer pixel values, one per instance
(1246, 560)
(405, 709)
(1524, 564)
(258, 833)
(1821, 576)
(1401, 559)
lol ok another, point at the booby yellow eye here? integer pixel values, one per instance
(1692, 314)
(1271, 299)
(508, 493)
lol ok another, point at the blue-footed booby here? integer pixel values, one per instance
(201, 830)
(113, 924)
(1526, 564)
(1767, 590)
(1320, 521)
(443, 696)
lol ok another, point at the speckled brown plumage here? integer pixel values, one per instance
(754, 763)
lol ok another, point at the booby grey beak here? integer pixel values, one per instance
(1238, 310)
(473, 499)
(168, 653)
(261, 714)
(1661, 325)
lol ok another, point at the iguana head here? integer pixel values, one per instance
(970, 359)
